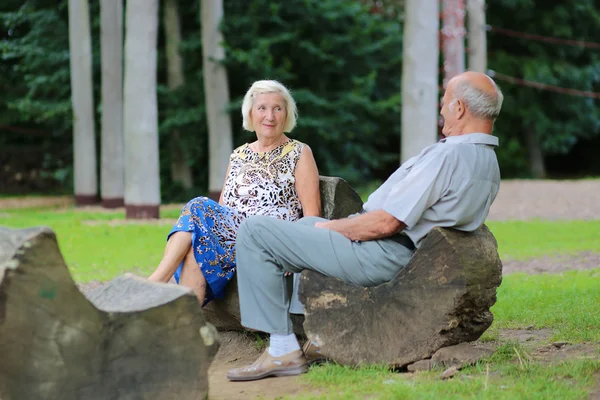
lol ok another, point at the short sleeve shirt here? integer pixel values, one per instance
(449, 184)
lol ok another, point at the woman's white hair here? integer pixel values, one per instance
(260, 87)
(481, 104)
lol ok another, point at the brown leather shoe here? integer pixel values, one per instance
(293, 363)
(313, 354)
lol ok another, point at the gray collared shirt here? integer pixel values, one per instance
(449, 184)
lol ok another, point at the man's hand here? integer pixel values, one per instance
(373, 225)
(339, 225)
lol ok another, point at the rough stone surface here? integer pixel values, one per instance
(133, 340)
(460, 355)
(338, 200)
(422, 365)
(443, 297)
(449, 373)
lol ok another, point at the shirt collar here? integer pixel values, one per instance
(474, 138)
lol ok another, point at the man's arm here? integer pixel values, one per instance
(377, 224)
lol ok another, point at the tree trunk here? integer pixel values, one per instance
(453, 35)
(84, 138)
(180, 170)
(142, 178)
(477, 36)
(216, 90)
(111, 43)
(537, 167)
(420, 76)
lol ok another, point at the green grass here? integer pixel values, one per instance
(92, 247)
(509, 380)
(101, 251)
(568, 303)
(520, 240)
(95, 248)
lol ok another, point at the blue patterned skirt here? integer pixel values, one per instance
(214, 229)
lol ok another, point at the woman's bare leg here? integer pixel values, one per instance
(178, 245)
(192, 277)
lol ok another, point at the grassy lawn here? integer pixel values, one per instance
(489, 379)
(520, 240)
(100, 246)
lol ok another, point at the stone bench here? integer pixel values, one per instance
(443, 297)
(130, 339)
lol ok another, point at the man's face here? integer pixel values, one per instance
(448, 115)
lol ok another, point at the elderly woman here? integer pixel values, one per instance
(274, 175)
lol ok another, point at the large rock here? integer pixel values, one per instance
(131, 340)
(338, 200)
(442, 297)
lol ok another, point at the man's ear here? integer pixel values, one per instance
(460, 109)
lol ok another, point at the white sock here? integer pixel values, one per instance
(281, 345)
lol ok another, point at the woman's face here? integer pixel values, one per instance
(268, 115)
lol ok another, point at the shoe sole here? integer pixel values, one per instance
(284, 372)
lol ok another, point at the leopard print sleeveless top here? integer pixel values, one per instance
(263, 183)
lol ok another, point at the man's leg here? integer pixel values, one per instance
(266, 248)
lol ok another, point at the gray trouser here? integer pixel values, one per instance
(267, 247)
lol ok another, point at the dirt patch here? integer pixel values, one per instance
(556, 353)
(36, 202)
(582, 261)
(239, 349)
(533, 336)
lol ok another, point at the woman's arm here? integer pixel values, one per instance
(223, 189)
(307, 184)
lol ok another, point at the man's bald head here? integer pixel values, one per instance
(479, 92)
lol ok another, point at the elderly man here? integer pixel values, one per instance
(449, 184)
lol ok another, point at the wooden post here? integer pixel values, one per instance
(420, 77)
(216, 91)
(453, 38)
(112, 178)
(477, 40)
(142, 178)
(84, 137)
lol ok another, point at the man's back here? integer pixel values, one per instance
(450, 184)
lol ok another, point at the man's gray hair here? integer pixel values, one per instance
(481, 104)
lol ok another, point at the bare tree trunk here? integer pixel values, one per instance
(537, 166)
(180, 170)
(111, 42)
(84, 139)
(477, 36)
(142, 178)
(420, 76)
(216, 89)
(453, 38)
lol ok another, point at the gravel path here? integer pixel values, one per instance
(554, 200)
